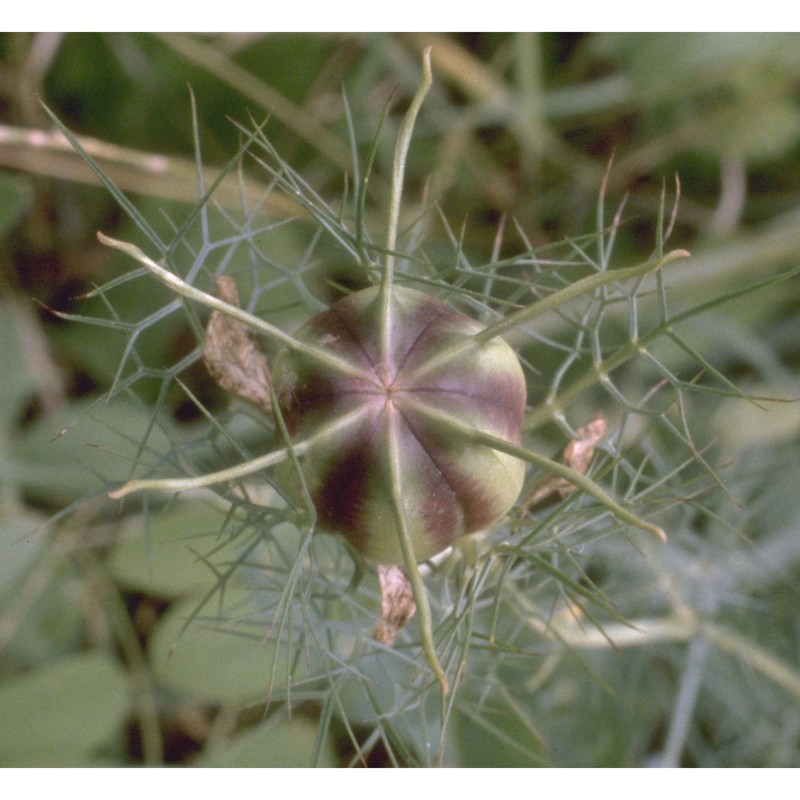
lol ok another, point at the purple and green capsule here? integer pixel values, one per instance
(449, 484)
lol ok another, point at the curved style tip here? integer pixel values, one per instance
(675, 254)
(120, 493)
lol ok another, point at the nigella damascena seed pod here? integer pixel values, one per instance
(449, 484)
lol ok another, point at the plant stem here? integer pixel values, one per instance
(398, 173)
(384, 335)
(781, 673)
(240, 470)
(583, 286)
(527, 314)
(683, 711)
(407, 548)
(179, 286)
(578, 480)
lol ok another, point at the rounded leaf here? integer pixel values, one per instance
(75, 705)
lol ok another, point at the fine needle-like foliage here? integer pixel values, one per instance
(498, 611)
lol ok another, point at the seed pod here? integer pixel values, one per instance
(449, 484)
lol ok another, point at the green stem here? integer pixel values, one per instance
(179, 286)
(593, 374)
(409, 559)
(577, 479)
(555, 300)
(583, 286)
(240, 470)
(398, 173)
(781, 673)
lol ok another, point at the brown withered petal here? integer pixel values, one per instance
(449, 485)
(397, 603)
(232, 355)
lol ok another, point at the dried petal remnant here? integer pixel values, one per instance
(232, 355)
(450, 485)
(397, 603)
(577, 455)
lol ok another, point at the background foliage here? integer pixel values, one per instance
(517, 127)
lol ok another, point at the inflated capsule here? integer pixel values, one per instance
(399, 397)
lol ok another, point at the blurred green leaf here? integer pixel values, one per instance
(21, 540)
(668, 63)
(17, 383)
(217, 654)
(743, 427)
(495, 734)
(74, 706)
(41, 618)
(165, 556)
(81, 449)
(276, 743)
(16, 196)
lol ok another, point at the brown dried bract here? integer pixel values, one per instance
(397, 603)
(577, 455)
(232, 354)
